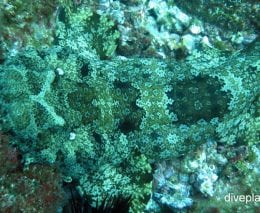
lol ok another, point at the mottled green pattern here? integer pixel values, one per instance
(103, 121)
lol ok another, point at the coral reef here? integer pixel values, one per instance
(171, 189)
(173, 29)
(26, 22)
(36, 189)
(115, 122)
